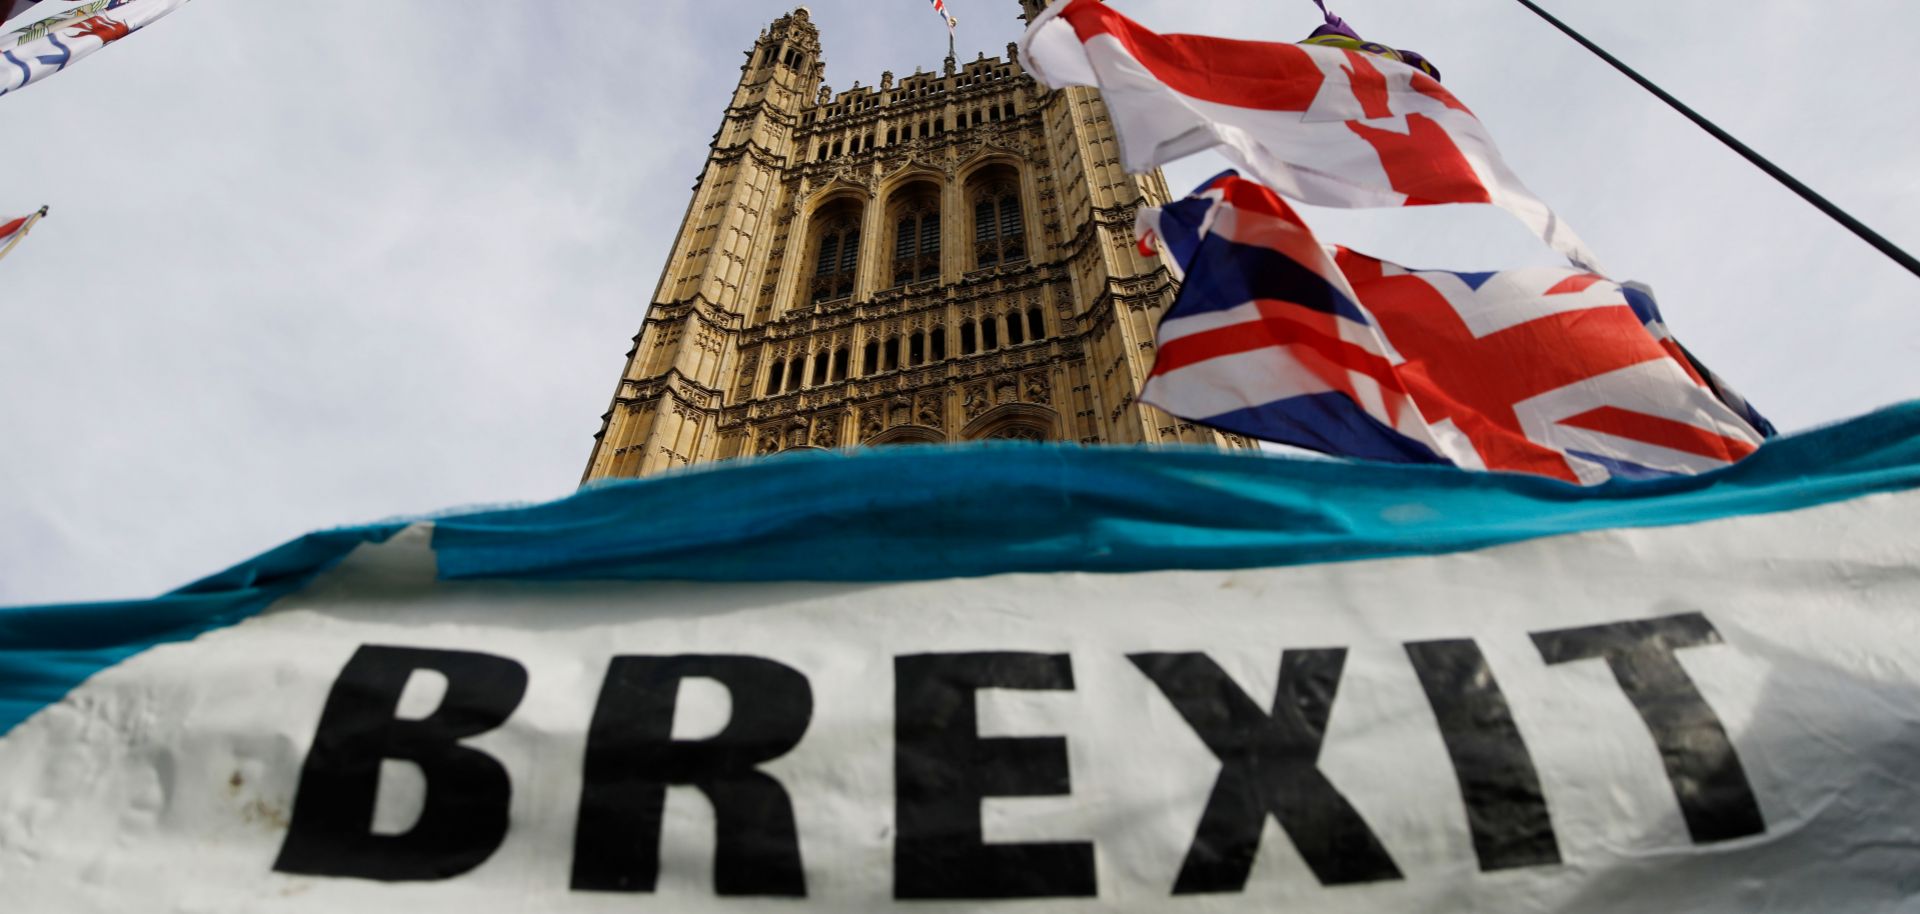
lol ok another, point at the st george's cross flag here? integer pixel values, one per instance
(1010, 678)
(1323, 125)
(42, 52)
(1547, 370)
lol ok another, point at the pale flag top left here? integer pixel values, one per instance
(50, 47)
(1323, 125)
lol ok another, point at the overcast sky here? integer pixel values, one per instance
(320, 264)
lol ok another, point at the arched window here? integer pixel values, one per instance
(916, 237)
(870, 358)
(999, 227)
(796, 372)
(819, 368)
(917, 348)
(939, 341)
(1016, 334)
(837, 254)
(893, 353)
(840, 364)
(969, 341)
(774, 373)
(1036, 328)
(989, 332)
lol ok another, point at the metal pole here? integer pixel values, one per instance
(1776, 172)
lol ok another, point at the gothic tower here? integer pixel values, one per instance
(945, 257)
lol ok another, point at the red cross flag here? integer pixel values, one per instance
(1323, 125)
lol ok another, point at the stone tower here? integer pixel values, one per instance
(944, 257)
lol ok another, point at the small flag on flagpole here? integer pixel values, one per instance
(12, 232)
(50, 46)
(940, 6)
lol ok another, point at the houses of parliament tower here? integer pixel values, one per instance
(944, 257)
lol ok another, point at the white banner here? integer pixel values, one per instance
(1719, 717)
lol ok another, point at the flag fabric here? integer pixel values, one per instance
(14, 231)
(940, 6)
(40, 28)
(1336, 33)
(1324, 125)
(1080, 680)
(54, 46)
(1550, 371)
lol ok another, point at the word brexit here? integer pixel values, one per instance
(945, 769)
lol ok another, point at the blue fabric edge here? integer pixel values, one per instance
(938, 512)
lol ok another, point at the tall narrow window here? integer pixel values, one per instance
(1015, 333)
(893, 353)
(999, 230)
(870, 358)
(1036, 328)
(916, 239)
(917, 349)
(938, 341)
(838, 253)
(990, 333)
(796, 372)
(775, 372)
(969, 341)
(819, 368)
(840, 364)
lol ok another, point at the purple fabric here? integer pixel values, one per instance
(1338, 26)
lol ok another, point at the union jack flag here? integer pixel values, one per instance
(1550, 371)
(940, 6)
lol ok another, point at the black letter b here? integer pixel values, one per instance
(464, 817)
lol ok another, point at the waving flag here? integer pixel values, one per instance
(1543, 370)
(1324, 125)
(11, 233)
(44, 51)
(940, 6)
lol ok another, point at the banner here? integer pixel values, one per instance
(1012, 679)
